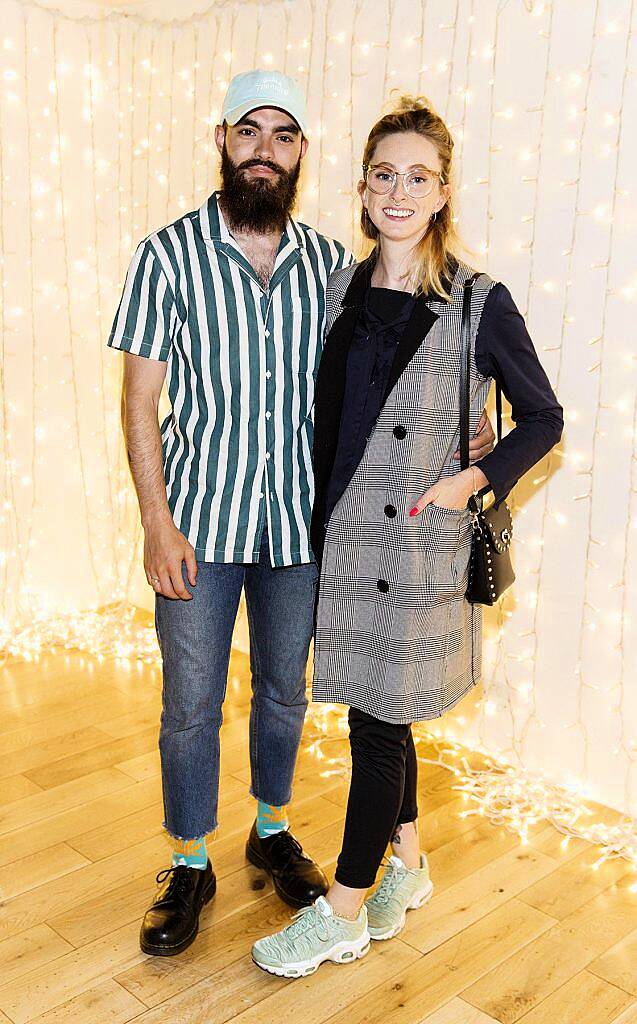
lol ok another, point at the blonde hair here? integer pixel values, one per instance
(441, 242)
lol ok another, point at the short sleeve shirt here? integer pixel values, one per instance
(241, 365)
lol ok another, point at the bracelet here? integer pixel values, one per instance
(473, 477)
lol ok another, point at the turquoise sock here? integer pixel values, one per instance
(270, 819)
(191, 853)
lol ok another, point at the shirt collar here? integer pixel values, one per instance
(215, 229)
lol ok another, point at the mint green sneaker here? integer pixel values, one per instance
(401, 889)
(315, 935)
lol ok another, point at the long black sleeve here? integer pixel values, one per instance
(504, 351)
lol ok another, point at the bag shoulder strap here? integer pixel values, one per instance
(465, 378)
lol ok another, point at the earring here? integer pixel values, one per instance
(434, 215)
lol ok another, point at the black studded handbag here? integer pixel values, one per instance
(490, 568)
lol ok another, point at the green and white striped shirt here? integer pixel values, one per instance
(242, 363)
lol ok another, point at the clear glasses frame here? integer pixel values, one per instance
(407, 184)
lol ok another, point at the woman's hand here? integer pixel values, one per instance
(452, 492)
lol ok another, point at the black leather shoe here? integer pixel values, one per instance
(171, 922)
(296, 878)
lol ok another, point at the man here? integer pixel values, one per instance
(229, 301)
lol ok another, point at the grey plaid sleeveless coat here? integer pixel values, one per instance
(394, 635)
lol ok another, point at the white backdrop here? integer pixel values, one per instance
(106, 119)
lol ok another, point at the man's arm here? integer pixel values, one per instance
(165, 548)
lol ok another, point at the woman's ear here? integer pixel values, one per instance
(445, 193)
(361, 188)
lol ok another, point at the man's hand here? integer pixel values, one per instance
(482, 443)
(165, 548)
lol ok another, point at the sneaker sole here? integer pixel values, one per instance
(418, 900)
(344, 953)
(179, 947)
(259, 862)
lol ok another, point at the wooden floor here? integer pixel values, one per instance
(513, 933)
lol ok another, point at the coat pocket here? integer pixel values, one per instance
(445, 535)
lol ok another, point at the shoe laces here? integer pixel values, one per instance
(291, 847)
(179, 883)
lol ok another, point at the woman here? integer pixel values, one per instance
(395, 638)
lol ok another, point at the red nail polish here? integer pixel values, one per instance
(414, 512)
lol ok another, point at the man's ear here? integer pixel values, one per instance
(220, 136)
(304, 144)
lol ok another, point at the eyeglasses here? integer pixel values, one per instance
(418, 183)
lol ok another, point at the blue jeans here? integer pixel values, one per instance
(195, 638)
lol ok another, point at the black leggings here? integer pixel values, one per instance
(382, 795)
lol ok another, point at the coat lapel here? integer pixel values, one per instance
(330, 382)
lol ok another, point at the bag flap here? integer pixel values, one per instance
(499, 524)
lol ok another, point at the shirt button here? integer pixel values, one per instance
(267, 373)
(400, 432)
(383, 586)
(267, 415)
(267, 455)
(261, 494)
(390, 511)
(267, 334)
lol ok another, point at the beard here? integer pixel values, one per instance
(257, 204)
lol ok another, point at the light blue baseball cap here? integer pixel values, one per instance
(253, 89)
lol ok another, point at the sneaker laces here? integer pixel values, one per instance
(388, 883)
(302, 922)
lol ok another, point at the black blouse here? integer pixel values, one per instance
(503, 350)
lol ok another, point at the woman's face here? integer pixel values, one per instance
(397, 215)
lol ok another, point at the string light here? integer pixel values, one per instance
(508, 797)
(124, 108)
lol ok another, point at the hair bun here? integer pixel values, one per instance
(406, 102)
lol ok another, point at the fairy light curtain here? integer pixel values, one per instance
(107, 118)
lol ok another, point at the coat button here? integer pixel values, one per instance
(383, 586)
(400, 432)
(390, 511)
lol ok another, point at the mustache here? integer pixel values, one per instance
(261, 163)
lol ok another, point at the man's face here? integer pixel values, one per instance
(260, 165)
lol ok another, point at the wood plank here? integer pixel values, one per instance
(29, 950)
(583, 999)
(46, 803)
(107, 1003)
(311, 1000)
(70, 891)
(629, 1016)
(513, 988)
(71, 718)
(101, 755)
(471, 898)
(108, 698)
(456, 1011)
(618, 965)
(103, 810)
(69, 976)
(50, 749)
(443, 973)
(17, 787)
(40, 868)
(574, 883)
